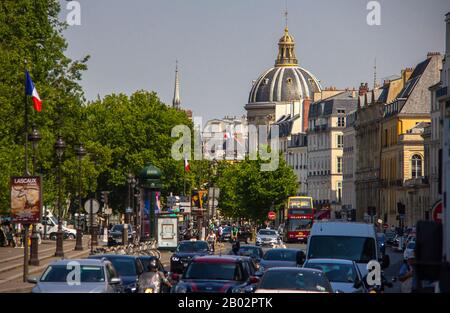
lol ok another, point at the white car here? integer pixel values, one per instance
(268, 237)
(344, 275)
(294, 280)
(409, 251)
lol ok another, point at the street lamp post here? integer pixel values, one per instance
(60, 145)
(34, 137)
(127, 214)
(133, 186)
(80, 152)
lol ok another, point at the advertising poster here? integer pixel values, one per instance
(26, 199)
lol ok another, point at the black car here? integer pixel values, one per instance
(282, 258)
(226, 234)
(245, 234)
(254, 252)
(219, 274)
(128, 267)
(115, 234)
(184, 253)
(390, 236)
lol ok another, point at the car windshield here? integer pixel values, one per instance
(193, 246)
(338, 273)
(249, 251)
(212, 271)
(299, 224)
(119, 228)
(65, 273)
(267, 232)
(290, 280)
(280, 255)
(358, 249)
(125, 267)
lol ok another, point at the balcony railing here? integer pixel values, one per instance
(441, 92)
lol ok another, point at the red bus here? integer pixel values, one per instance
(299, 218)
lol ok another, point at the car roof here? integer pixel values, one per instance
(64, 262)
(220, 258)
(112, 256)
(184, 241)
(294, 269)
(336, 261)
(330, 228)
(250, 246)
(285, 249)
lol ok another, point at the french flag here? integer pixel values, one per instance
(30, 90)
(187, 166)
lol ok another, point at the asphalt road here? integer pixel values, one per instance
(396, 259)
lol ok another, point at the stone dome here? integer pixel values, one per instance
(286, 81)
(284, 84)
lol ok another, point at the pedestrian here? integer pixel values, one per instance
(406, 274)
(234, 233)
(10, 236)
(3, 240)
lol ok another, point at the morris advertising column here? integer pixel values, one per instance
(150, 180)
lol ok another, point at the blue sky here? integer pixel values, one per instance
(223, 45)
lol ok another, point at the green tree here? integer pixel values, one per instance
(248, 192)
(30, 37)
(132, 131)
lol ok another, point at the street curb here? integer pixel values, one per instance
(37, 269)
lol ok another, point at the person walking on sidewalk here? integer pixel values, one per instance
(406, 274)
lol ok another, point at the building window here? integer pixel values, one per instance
(416, 166)
(339, 165)
(341, 121)
(339, 191)
(340, 141)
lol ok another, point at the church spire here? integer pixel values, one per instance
(176, 94)
(286, 47)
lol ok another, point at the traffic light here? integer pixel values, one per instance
(372, 211)
(401, 208)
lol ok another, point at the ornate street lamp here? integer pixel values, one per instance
(127, 213)
(34, 137)
(80, 153)
(60, 145)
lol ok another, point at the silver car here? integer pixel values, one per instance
(268, 237)
(344, 275)
(78, 276)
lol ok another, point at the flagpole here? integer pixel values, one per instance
(184, 179)
(26, 128)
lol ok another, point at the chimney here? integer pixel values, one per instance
(306, 105)
(363, 88)
(406, 74)
(431, 54)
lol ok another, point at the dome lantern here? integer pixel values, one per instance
(286, 50)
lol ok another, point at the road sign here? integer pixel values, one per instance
(210, 203)
(95, 206)
(128, 210)
(215, 192)
(437, 212)
(271, 215)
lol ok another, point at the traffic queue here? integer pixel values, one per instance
(335, 260)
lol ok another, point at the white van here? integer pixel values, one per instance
(52, 228)
(345, 240)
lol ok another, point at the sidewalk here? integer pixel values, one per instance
(11, 263)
